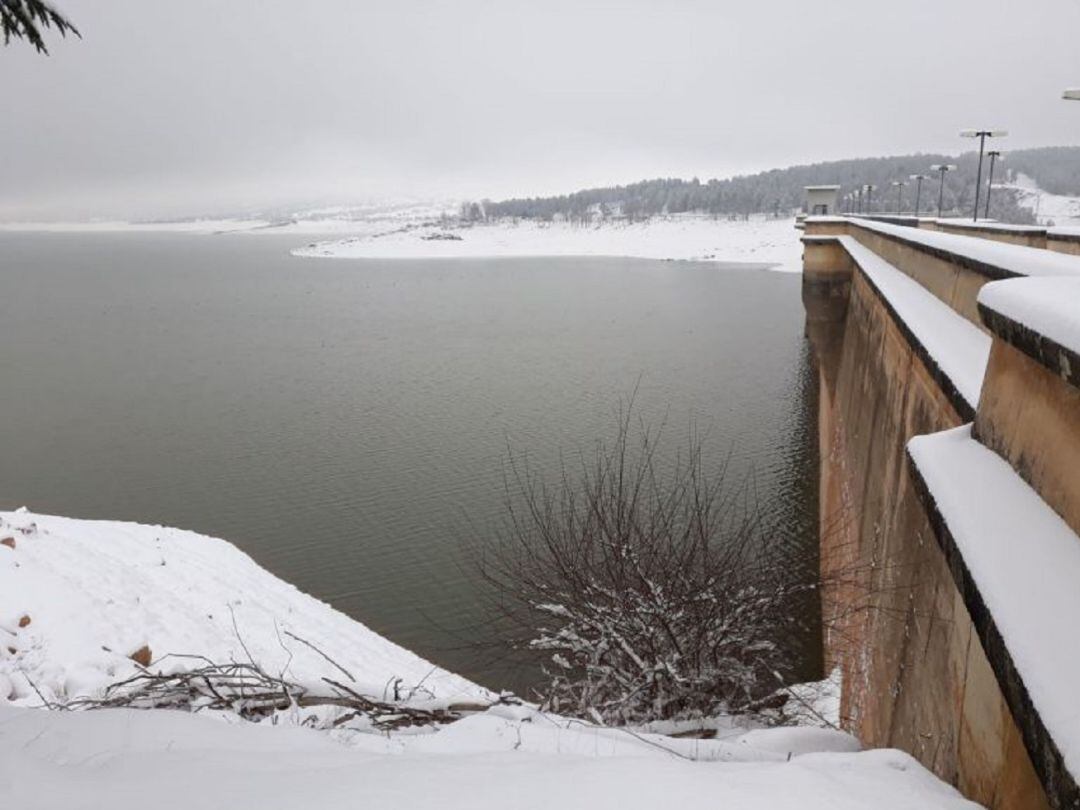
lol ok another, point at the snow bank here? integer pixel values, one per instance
(959, 348)
(1025, 561)
(127, 760)
(684, 237)
(1047, 306)
(78, 597)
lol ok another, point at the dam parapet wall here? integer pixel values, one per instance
(949, 425)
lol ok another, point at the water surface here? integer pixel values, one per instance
(342, 420)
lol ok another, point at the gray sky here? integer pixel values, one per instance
(170, 107)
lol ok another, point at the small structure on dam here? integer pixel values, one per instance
(821, 200)
(949, 419)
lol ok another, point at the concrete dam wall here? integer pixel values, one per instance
(949, 427)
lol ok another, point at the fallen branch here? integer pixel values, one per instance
(253, 694)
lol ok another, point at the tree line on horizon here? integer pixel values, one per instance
(781, 191)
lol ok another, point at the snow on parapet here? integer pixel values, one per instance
(1003, 259)
(990, 225)
(79, 597)
(1025, 562)
(958, 348)
(1048, 306)
(1042, 319)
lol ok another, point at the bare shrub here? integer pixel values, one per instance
(649, 587)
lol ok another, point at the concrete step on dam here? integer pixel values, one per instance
(948, 359)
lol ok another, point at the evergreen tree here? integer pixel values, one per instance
(27, 19)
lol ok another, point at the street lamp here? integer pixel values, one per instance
(858, 196)
(918, 178)
(994, 156)
(982, 135)
(942, 168)
(869, 197)
(899, 186)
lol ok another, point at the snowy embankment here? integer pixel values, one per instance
(688, 237)
(80, 599)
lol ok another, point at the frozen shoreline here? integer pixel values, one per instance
(413, 234)
(758, 240)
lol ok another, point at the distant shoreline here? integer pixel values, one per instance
(758, 240)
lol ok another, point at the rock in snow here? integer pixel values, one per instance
(100, 591)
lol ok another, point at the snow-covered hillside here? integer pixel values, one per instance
(686, 237)
(1049, 209)
(77, 598)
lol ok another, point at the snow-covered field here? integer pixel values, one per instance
(683, 237)
(78, 597)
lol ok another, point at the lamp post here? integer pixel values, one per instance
(994, 155)
(942, 168)
(982, 135)
(918, 178)
(899, 186)
(858, 197)
(869, 197)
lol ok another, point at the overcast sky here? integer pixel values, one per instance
(170, 107)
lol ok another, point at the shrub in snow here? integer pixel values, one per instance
(648, 587)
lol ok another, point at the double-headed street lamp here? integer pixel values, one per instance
(942, 169)
(982, 135)
(899, 186)
(994, 156)
(918, 178)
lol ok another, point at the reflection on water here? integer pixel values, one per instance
(341, 421)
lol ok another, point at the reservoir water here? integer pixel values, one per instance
(345, 421)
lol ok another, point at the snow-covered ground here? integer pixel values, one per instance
(78, 597)
(127, 760)
(1049, 209)
(683, 237)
